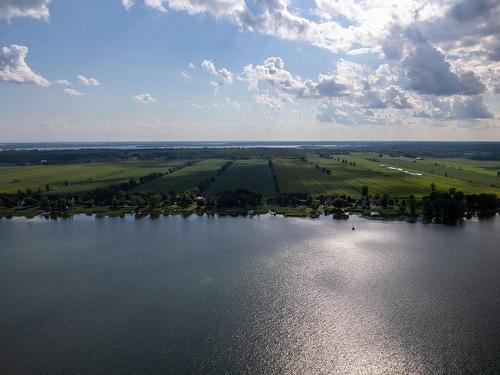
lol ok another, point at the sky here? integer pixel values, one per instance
(167, 70)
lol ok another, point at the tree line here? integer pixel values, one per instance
(22, 157)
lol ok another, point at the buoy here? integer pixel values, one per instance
(353, 228)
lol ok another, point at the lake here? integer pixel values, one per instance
(261, 295)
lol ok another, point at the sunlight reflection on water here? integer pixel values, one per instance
(265, 295)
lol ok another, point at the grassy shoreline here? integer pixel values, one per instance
(286, 211)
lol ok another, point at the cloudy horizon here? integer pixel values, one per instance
(125, 70)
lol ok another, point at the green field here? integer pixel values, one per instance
(376, 173)
(479, 172)
(80, 177)
(185, 178)
(253, 175)
(396, 176)
(296, 176)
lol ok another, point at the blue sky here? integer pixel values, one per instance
(247, 70)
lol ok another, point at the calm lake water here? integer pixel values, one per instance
(266, 295)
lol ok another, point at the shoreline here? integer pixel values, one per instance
(285, 212)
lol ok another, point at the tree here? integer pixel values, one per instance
(184, 200)
(314, 204)
(61, 205)
(115, 204)
(385, 200)
(444, 207)
(138, 201)
(154, 200)
(171, 196)
(339, 203)
(30, 202)
(402, 207)
(364, 191)
(44, 204)
(412, 203)
(238, 198)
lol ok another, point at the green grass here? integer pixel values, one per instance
(185, 178)
(300, 211)
(253, 175)
(368, 171)
(81, 177)
(479, 172)
(296, 176)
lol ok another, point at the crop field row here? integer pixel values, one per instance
(296, 176)
(395, 176)
(73, 178)
(479, 173)
(482, 172)
(253, 175)
(383, 177)
(185, 178)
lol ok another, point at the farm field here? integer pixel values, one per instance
(482, 172)
(253, 175)
(184, 179)
(297, 176)
(382, 176)
(79, 177)
(398, 177)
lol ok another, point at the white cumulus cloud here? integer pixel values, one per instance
(38, 9)
(226, 77)
(63, 82)
(144, 98)
(73, 92)
(441, 48)
(128, 4)
(13, 67)
(269, 101)
(88, 81)
(155, 4)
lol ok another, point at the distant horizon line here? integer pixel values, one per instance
(242, 141)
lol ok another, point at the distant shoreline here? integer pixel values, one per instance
(126, 145)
